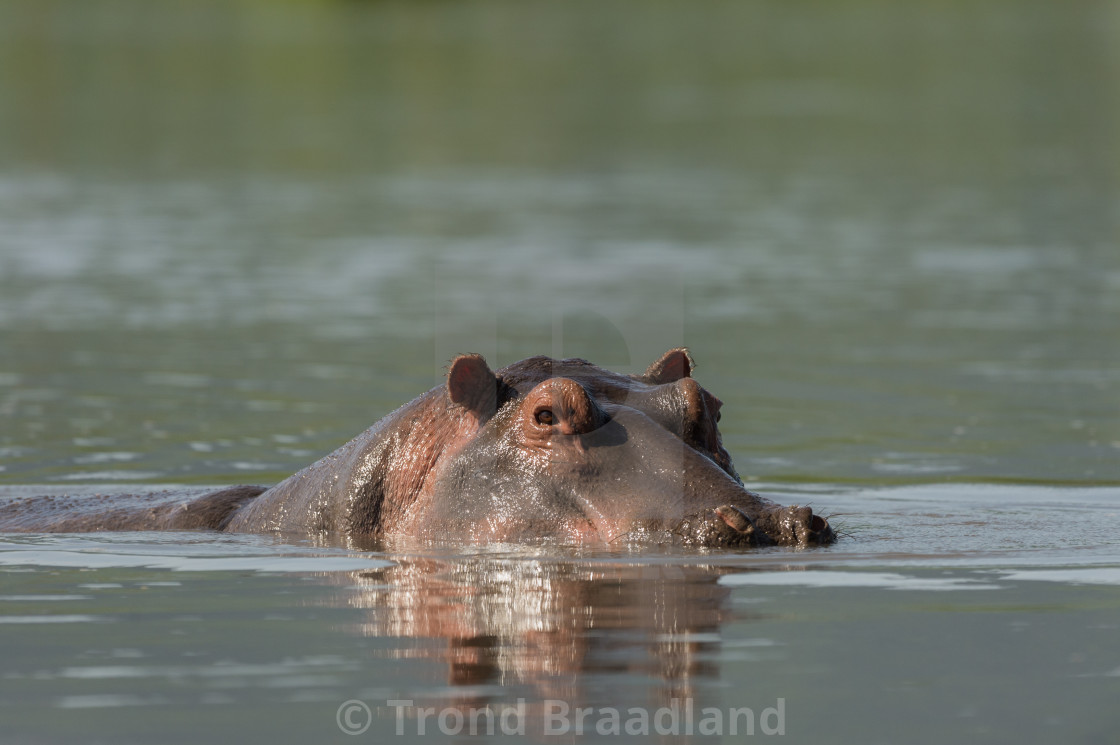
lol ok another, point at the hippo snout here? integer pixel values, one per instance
(729, 526)
(795, 526)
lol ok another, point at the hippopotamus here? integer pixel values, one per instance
(544, 448)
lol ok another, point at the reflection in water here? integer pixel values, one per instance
(547, 628)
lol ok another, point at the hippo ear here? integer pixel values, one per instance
(673, 365)
(472, 385)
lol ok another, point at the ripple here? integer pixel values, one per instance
(177, 380)
(108, 701)
(263, 563)
(1076, 576)
(118, 457)
(51, 619)
(110, 476)
(245, 465)
(311, 666)
(825, 578)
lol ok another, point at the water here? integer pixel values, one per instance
(233, 235)
(947, 612)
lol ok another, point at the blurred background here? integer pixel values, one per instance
(234, 234)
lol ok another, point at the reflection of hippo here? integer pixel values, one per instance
(543, 448)
(544, 623)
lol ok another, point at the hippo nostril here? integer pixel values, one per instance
(817, 524)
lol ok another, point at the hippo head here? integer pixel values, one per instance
(566, 449)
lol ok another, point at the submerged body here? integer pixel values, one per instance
(543, 447)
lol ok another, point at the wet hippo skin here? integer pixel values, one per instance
(542, 448)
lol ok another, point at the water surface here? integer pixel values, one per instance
(941, 612)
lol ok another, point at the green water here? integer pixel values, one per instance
(235, 234)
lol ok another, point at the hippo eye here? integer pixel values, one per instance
(544, 416)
